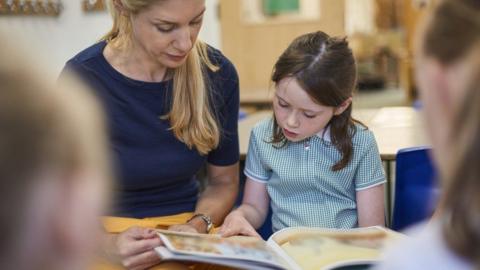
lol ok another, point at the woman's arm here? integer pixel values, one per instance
(251, 214)
(217, 199)
(371, 206)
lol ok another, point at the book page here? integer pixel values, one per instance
(215, 246)
(313, 248)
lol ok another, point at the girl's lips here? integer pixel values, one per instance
(290, 134)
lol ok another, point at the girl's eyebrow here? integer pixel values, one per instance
(303, 109)
(174, 23)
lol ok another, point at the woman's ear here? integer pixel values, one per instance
(342, 107)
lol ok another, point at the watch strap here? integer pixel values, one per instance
(205, 218)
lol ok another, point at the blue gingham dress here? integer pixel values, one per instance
(303, 189)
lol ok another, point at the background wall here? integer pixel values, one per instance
(254, 47)
(57, 39)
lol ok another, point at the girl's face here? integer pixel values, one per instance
(296, 113)
(166, 31)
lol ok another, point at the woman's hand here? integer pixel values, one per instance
(183, 228)
(236, 224)
(133, 248)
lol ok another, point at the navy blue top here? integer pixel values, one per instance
(156, 171)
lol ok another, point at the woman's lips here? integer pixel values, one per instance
(176, 57)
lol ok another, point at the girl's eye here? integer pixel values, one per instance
(309, 115)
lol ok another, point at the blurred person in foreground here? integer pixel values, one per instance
(54, 169)
(448, 76)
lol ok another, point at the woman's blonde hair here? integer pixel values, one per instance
(452, 35)
(191, 117)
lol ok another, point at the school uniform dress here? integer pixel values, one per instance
(303, 189)
(155, 172)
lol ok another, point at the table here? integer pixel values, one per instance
(394, 128)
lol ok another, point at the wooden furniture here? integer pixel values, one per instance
(260, 99)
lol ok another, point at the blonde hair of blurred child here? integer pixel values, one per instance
(54, 169)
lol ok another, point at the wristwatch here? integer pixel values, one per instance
(205, 218)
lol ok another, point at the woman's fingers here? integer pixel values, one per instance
(138, 246)
(142, 261)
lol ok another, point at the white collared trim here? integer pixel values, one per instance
(325, 136)
(255, 177)
(371, 186)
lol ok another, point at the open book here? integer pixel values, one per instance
(296, 248)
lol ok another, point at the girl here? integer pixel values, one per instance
(312, 162)
(448, 76)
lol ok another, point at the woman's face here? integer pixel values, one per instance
(168, 29)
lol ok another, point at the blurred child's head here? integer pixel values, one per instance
(314, 80)
(53, 169)
(448, 76)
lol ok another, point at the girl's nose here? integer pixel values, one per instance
(292, 120)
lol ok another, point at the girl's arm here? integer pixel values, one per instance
(371, 206)
(216, 200)
(251, 214)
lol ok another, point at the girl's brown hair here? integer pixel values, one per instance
(325, 68)
(451, 35)
(191, 117)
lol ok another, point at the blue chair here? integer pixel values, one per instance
(416, 187)
(266, 229)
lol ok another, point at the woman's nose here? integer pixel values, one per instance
(183, 41)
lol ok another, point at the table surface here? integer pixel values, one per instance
(394, 128)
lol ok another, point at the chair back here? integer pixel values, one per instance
(416, 188)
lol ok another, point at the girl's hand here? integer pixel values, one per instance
(133, 248)
(236, 224)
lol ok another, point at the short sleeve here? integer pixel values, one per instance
(255, 168)
(227, 87)
(370, 170)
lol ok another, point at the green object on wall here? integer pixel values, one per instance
(274, 7)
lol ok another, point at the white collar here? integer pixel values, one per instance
(325, 136)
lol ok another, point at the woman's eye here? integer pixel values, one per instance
(196, 22)
(164, 29)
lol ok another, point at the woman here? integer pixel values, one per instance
(448, 75)
(172, 104)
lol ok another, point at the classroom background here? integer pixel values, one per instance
(252, 33)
